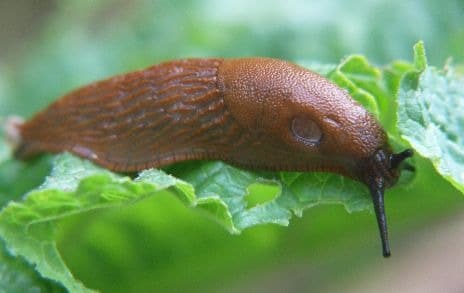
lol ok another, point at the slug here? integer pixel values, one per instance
(255, 113)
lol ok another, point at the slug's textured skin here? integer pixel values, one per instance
(257, 113)
(237, 110)
(264, 95)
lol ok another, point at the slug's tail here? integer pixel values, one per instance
(12, 130)
(11, 127)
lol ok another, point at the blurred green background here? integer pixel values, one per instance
(159, 245)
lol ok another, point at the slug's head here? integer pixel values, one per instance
(299, 121)
(379, 171)
(295, 111)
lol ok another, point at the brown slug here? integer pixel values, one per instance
(255, 113)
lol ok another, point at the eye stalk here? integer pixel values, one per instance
(396, 159)
(381, 171)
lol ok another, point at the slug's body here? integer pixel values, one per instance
(256, 113)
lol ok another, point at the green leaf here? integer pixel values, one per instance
(431, 118)
(356, 75)
(17, 276)
(77, 186)
(74, 186)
